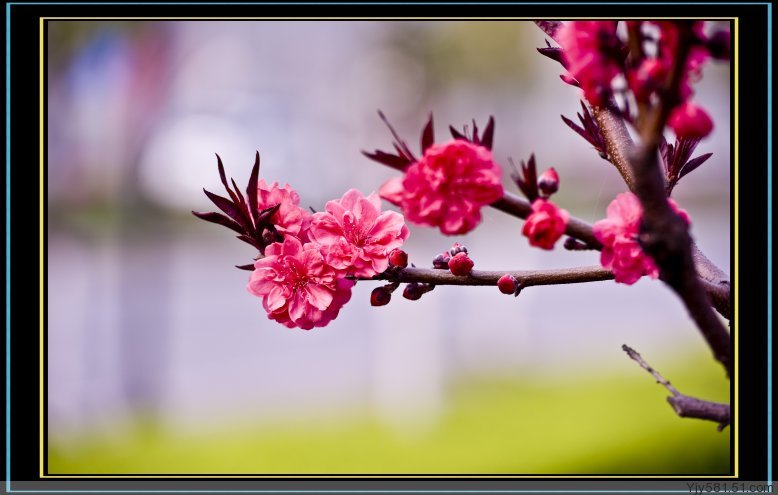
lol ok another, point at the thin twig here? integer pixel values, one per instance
(684, 405)
(490, 278)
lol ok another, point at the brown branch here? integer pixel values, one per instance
(664, 235)
(620, 147)
(526, 278)
(684, 405)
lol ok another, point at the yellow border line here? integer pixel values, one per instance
(270, 476)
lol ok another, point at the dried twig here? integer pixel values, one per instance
(684, 405)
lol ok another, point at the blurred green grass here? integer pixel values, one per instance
(615, 422)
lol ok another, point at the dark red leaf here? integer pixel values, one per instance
(394, 161)
(553, 53)
(456, 134)
(219, 219)
(488, 137)
(400, 144)
(249, 267)
(230, 209)
(572, 125)
(476, 139)
(223, 177)
(692, 164)
(427, 135)
(263, 217)
(251, 190)
(249, 240)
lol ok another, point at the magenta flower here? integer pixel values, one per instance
(688, 120)
(592, 55)
(355, 236)
(618, 234)
(290, 219)
(546, 224)
(447, 187)
(299, 289)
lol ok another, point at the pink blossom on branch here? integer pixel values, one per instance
(355, 236)
(688, 120)
(618, 234)
(290, 219)
(546, 224)
(299, 289)
(593, 55)
(447, 187)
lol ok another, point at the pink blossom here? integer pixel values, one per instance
(690, 121)
(298, 288)
(355, 236)
(647, 78)
(546, 224)
(618, 234)
(447, 187)
(591, 52)
(698, 54)
(290, 219)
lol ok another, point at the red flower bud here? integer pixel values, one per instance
(441, 261)
(413, 291)
(398, 257)
(380, 297)
(460, 264)
(690, 121)
(456, 249)
(507, 284)
(548, 182)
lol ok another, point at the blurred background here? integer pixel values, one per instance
(160, 361)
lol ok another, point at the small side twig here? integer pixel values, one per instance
(684, 405)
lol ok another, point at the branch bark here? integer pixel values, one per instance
(685, 406)
(664, 235)
(526, 278)
(620, 148)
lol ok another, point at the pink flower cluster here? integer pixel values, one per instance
(591, 52)
(303, 280)
(447, 187)
(618, 234)
(594, 56)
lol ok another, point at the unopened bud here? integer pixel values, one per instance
(413, 291)
(690, 121)
(456, 249)
(441, 261)
(507, 284)
(460, 264)
(548, 182)
(398, 257)
(380, 297)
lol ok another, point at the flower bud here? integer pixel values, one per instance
(413, 291)
(456, 249)
(398, 257)
(380, 297)
(548, 182)
(507, 284)
(719, 45)
(690, 121)
(441, 261)
(460, 264)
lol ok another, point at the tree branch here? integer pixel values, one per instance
(714, 281)
(620, 147)
(684, 405)
(664, 235)
(525, 278)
